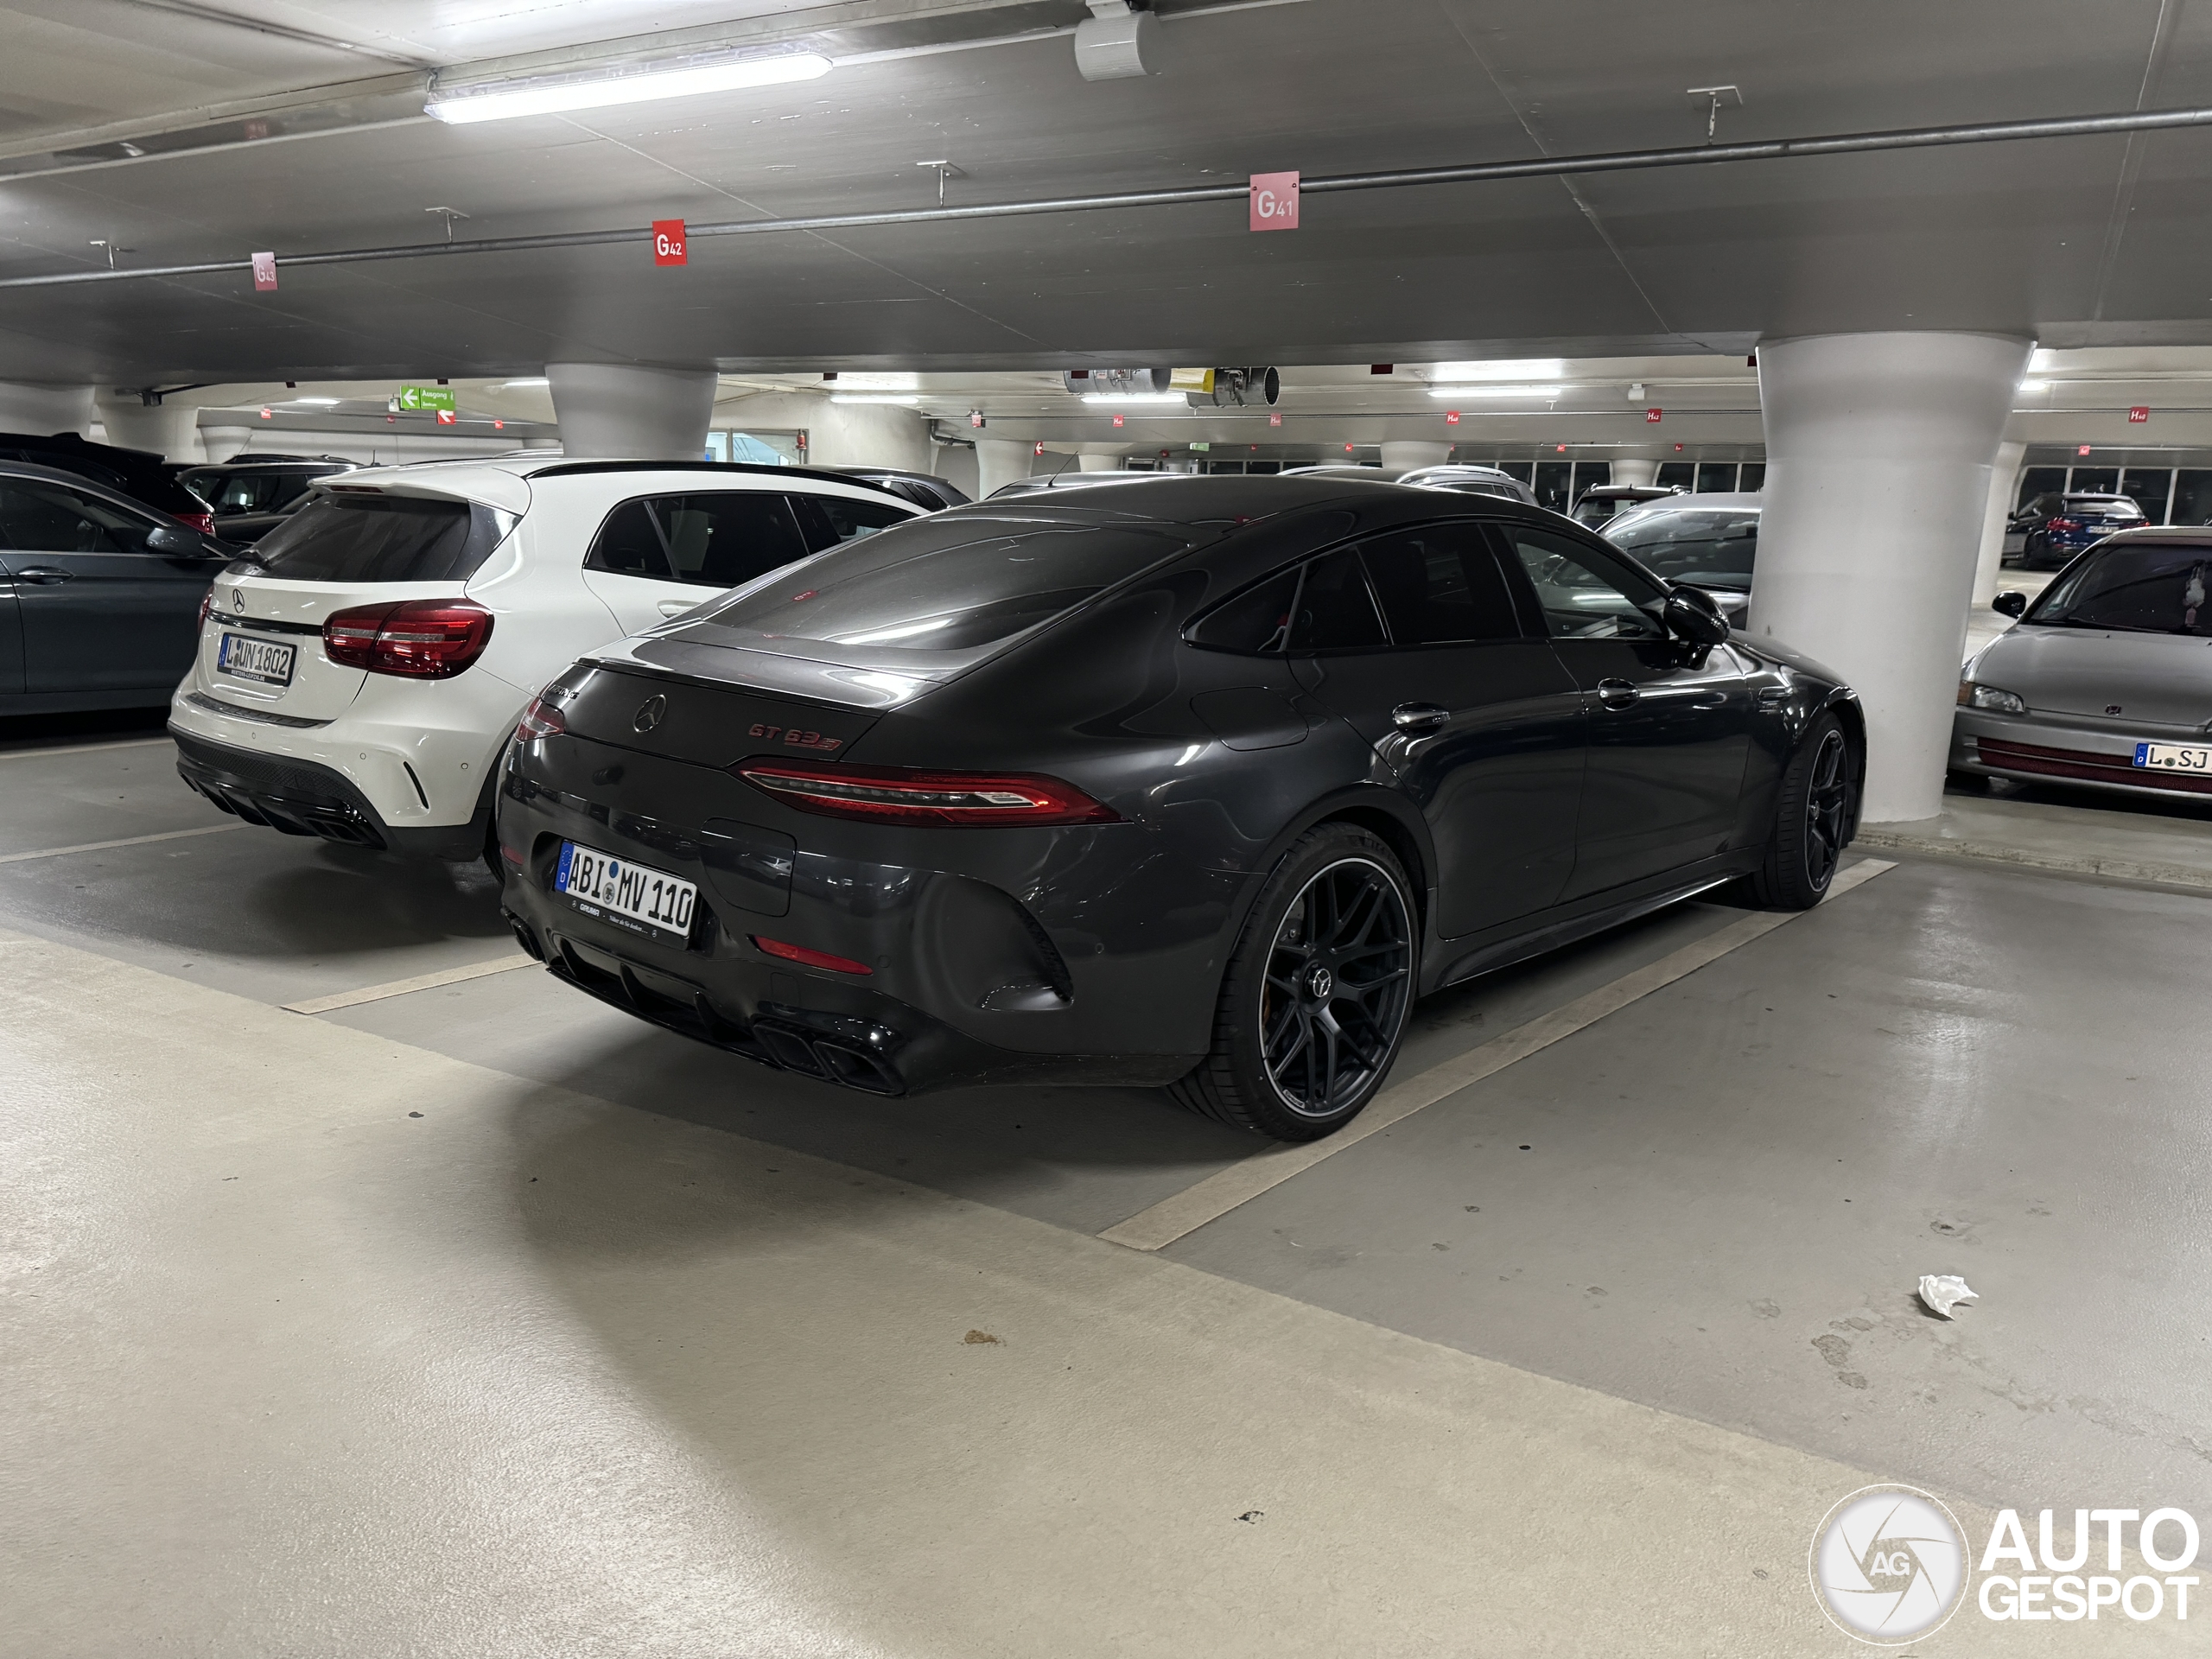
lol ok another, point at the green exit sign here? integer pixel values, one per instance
(1202, 447)
(427, 397)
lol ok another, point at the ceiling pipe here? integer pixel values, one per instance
(1848, 143)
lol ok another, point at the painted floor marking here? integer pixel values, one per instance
(127, 841)
(506, 964)
(1240, 1183)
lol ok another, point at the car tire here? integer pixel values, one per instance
(1814, 815)
(1314, 1002)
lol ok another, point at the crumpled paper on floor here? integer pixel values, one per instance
(1942, 1292)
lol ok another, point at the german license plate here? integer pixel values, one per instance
(255, 659)
(2175, 757)
(601, 884)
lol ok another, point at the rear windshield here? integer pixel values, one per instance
(946, 583)
(2103, 506)
(382, 538)
(2138, 587)
(1708, 548)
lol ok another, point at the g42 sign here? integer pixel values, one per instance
(670, 245)
(1274, 201)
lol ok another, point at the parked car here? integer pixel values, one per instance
(925, 489)
(98, 595)
(140, 475)
(250, 496)
(1066, 478)
(359, 673)
(2053, 528)
(1198, 781)
(1601, 503)
(1469, 480)
(2106, 679)
(1708, 540)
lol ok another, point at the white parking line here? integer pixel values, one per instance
(506, 964)
(85, 748)
(1226, 1189)
(127, 841)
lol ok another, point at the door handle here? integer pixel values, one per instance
(1618, 694)
(672, 607)
(43, 575)
(1419, 717)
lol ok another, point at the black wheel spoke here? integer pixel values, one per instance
(1337, 987)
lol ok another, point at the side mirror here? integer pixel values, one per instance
(174, 542)
(1693, 615)
(2009, 604)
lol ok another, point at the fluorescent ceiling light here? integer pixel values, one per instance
(2035, 385)
(2039, 359)
(534, 380)
(311, 400)
(496, 100)
(876, 380)
(873, 397)
(1133, 397)
(1519, 368)
(1495, 392)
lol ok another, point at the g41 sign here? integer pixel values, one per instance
(671, 247)
(1274, 201)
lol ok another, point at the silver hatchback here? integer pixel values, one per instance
(2107, 678)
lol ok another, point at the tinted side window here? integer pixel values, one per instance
(47, 518)
(1257, 620)
(1439, 584)
(720, 540)
(829, 520)
(629, 544)
(1335, 610)
(1584, 594)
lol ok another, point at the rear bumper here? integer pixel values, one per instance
(966, 984)
(299, 797)
(2039, 749)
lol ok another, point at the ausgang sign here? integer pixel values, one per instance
(427, 397)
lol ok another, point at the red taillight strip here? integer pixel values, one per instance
(908, 795)
(810, 958)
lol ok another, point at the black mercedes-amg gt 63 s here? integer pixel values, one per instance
(1197, 783)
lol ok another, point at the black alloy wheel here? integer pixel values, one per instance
(1813, 820)
(1315, 1000)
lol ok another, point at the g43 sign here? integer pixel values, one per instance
(440, 398)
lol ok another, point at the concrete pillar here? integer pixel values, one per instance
(1635, 470)
(2004, 479)
(1403, 455)
(44, 411)
(170, 430)
(627, 412)
(1879, 449)
(999, 462)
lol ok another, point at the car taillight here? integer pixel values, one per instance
(419, 638)
(2062, 523)
(540, 719)
(906, 795)
(800, 953)
(202, 522)
(206, 604)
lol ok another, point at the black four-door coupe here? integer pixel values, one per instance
(1197, 781)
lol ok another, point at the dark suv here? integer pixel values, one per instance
(252, 497)
(140, 474)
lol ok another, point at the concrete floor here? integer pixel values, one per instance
(623, 1347)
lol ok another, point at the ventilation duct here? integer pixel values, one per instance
(1111, 44)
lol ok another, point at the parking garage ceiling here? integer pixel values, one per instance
(2078, 241)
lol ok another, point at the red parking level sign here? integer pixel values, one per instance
(1651, 416)
(2139, 415)
(265, 272)
(669, 244)
(1274, 201)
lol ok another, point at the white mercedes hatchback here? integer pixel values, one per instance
(360, 671)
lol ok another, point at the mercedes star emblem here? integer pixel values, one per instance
(238, 599)
(649, 713)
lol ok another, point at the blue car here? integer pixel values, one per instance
(2053, 528)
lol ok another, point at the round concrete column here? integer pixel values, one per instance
(171, 430)
(1403, 455)
(2004, 479)
(1635, 470)
(626, 411)
(45, 409)
(1879, 449)
(1000, 462)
